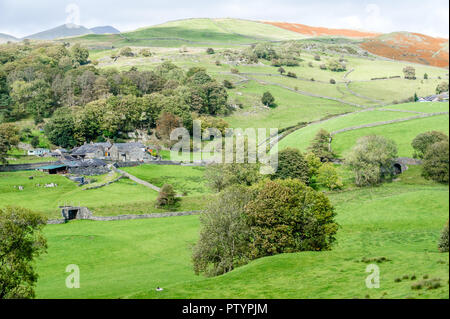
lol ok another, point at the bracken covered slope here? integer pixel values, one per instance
(319, 31)
(412, 47)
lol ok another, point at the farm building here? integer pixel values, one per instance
(92, 150)
(132, 152)
(443, 97)
(54, 169)
(39, 152)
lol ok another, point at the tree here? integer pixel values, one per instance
(314, 164)
(320, 146)
(60, 129)
(332, 81)
(287, 216)
(35, 141)
(436, 162)
(442, 87)
(210, 51)
(221, 176)
(166, 196)
(9, 137)
(166, 123)
(328, 177)
(409, 72)
(424, 140)
(292, 164)
(371, 159)
(425, 76)
(292, 75)
(281, 70)
(267, 99)
(443, 240)
(79, 54)
(224, 235)
(21, 241)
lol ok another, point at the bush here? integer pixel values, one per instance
(317, 57)
(145, 53)
(292, 164)
(166, 196)
(228, 84)
(371, 159)
(443, 240)
(314, 164)
(436, 162)
(126, 52)
(267, 99)
(220, 176)
(234, 71)
(292, 75)
(441, 87)
(336, 66)
(329, 177)
(332, 81)
(323, 66)
(425, 76)
(210, 51)
(287, 216)
(224, 235)
(424, 140)
(281, 70)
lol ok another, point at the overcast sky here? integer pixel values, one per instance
(24, 17)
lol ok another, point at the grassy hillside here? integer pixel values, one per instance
(400, 221)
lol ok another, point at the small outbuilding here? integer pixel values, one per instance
(54, 169)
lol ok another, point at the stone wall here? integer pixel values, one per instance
(88, 170)
(130, 216)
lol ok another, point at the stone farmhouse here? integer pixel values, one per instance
(91, 150)
(129, 152)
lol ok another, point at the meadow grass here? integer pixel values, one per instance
(303, 137)
(400, 221)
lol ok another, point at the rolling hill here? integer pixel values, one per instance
(412, 47)
(6, 37)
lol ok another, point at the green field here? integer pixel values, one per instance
(302, 138)
(402, 133)
(122, 197)
(400, 221)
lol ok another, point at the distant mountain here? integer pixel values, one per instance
(63, 31)
(105, 30)
(6, 37)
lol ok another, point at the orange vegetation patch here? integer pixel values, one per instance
(318, 31)
(412, 47)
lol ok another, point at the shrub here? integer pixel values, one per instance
(425, 76)
(436, 162)
(210, 51)
(218, 63)
(166, 196)
(320, 146)
(336, 66)
(287, 216)
(310, 64)
(221, 176)
(371, 159)
(281, 70)
(234, 71)
(224, 235)
(126, 52)
(292, 75)
(267, 99)
(423, 141)
(443, 240)
(292, 164)
(228, 84)
(323, 66)
(329, 177)
(317, 57)
(145, 53)
(409, 72)
(314, 164)
(332, 81)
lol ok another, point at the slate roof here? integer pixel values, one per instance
(123, 147)
(90, 148)
(92, 162)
